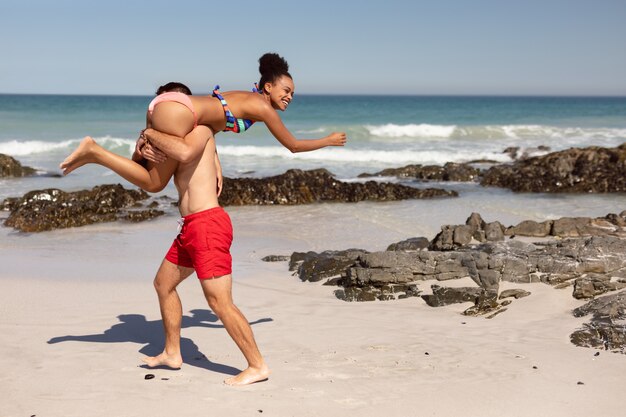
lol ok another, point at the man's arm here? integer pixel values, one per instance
(218, 171)
(181, 149)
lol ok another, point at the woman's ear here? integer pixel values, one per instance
(267, 88)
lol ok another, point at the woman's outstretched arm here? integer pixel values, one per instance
(278, 129)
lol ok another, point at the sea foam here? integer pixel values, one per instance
(32, 147)
(343, 155)
(492, 132)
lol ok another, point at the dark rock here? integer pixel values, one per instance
(618, 220)
(582, 226)
(494, 232)
(333, 282)
(496, 312)
(451, 171)
(313, 267)
(512, 151)
(489, 279)
(606, 329)
(50, 209)
(486, 303)
(10, 167)
(358, 294)
(462, 235)
(530, 228)
(443, 296)
(516, 293)
(444, 239)
(595, 264)
(593, 285)
(276, 258)
(137, 216)
(454, 237)
(588, 170)
(10, 204)
(412, 244)
(304, 187)
(476, 222)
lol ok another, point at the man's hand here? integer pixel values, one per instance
(149, 152)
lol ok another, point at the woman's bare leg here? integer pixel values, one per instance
(89, 152)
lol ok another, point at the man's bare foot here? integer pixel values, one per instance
(81, 156)
(249, 376)
(171, 361)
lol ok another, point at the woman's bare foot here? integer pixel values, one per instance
(82, 155)
(249, 376)
(171, 361)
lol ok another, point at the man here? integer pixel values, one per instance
(203, 221)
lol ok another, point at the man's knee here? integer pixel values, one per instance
(163, 286)
(220, 305)
(169, 276)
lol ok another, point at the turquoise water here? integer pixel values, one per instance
(383, 131)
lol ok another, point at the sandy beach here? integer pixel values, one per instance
(79, 312)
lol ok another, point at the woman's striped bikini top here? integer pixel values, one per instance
(233, 124)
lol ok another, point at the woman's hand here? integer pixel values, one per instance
(336, 139)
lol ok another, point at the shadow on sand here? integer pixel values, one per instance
(135, 328)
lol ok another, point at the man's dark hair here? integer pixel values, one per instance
(173, 87)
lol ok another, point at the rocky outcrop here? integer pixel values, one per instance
(10, 167)
(49, 209)
(484, 302)
(449, 172)
(610, 225)
(313, 267)
(305, 187)
(412, 244)
(475, 229)
(590, 265)
(594, 265)
(587, 170)
(607, 329)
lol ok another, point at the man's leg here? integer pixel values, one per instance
(218, 292)
(167, 279)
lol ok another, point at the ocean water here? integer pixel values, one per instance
(383, 132)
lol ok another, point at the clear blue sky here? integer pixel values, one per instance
(544, 47)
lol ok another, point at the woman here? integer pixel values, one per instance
(177, 114)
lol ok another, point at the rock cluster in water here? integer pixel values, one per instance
(587, 170)
(49, 209)
(10, 167)
(52, 209)
(304, 187)
(451, 171)
(576, 170)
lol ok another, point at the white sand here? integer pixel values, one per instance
(328, 357)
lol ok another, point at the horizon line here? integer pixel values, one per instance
(491, 95)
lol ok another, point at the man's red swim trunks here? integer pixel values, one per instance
(204, 243)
